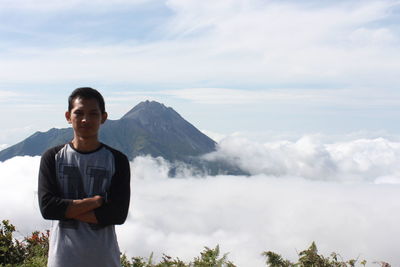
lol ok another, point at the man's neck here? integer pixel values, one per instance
(85, 144)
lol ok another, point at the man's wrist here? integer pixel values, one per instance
(97, 201)
(80, 206)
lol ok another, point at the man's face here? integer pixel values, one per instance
(85, 117)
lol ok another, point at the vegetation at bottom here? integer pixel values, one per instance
(32, 251)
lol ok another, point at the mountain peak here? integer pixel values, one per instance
(150, 128)
(146, 108)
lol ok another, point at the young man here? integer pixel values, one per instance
(84, 186)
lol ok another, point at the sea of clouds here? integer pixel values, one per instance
(343, 195)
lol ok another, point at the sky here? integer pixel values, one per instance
(276, 67)
(303, 95)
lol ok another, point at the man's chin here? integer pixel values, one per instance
(86, 135)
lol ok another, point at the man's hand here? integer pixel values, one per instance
(97, 201)
(82, 206)
(88, 217)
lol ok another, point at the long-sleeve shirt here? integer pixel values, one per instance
(66, 174)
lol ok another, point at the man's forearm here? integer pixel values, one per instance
(81, 206)
(88, 217)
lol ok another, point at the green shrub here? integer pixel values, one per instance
(12, 251)
(311, 258)
(208, 258)
(33, 252)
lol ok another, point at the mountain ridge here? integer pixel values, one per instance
(149, 128)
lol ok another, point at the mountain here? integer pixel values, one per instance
(150, 128)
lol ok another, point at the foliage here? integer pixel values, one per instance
(311, 258)
(208, 258)
(37, 248)
(276, 260)
(11, 251)
(32, 251)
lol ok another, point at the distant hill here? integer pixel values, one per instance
(37, 143)
(150, 128)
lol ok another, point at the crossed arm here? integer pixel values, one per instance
(93, 209)
(82, 209)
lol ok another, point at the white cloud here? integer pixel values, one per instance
(54, 5)
(248, 215)
(225, 96)
(235, 42)
(8, 95)
(348, 161)
(290, 40)
(19, 194)
(349, 97)
(271, 136)
(338, 96)
(379, 36)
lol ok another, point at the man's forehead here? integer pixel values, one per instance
(90, 103)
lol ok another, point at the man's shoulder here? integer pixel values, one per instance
(53, 150)
(116, 152)
(48, 157)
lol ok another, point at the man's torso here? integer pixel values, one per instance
(74, 243)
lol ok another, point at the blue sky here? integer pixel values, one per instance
(227, 66)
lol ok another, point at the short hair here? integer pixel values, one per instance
(86, 93)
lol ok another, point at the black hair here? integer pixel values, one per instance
(86, 93)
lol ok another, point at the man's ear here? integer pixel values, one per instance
(104, 117)
(68, 116)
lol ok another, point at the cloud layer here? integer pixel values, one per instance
(231, 43)
(344, 196)
(371, 160)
